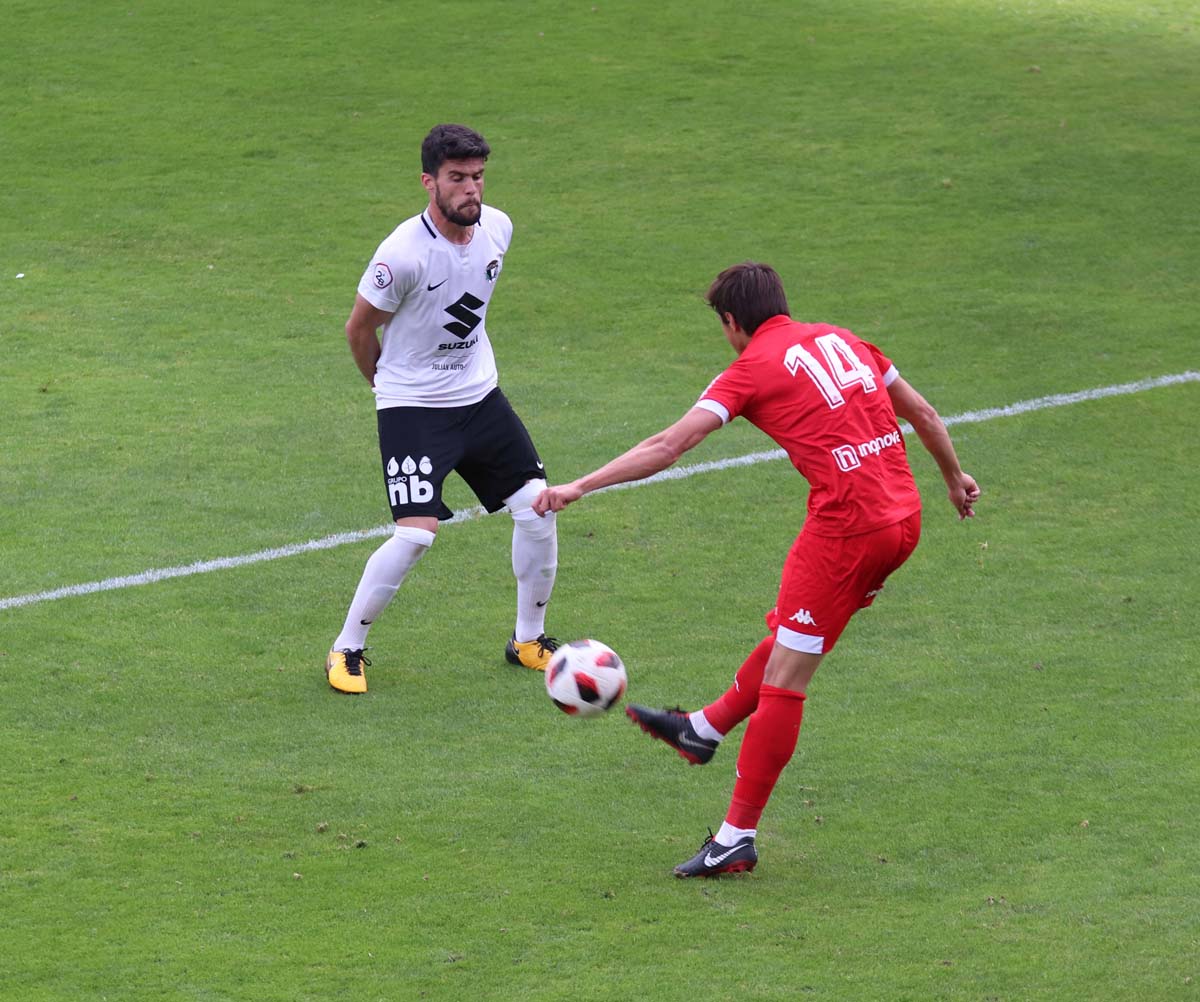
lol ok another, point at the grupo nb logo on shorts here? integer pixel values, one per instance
(405, 485)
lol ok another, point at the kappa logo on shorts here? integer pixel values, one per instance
(803, 617)
(404, 486)
(382, 275)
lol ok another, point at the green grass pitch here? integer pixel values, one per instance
(995, 793)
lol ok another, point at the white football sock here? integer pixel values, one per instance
(535, 564)
(386, 569)
(728, 835)
(703, 728)
(534, 560)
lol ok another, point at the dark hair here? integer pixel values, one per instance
(752, 292)
(451, 142)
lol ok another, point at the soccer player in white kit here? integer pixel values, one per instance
(438, 402)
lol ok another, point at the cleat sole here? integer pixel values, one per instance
(688, 757)
(745, 866)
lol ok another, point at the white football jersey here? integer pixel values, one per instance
(435, 347)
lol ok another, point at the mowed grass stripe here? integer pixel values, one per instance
(675, 473)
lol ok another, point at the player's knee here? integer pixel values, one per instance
(411, 534)
(520, 506)
(533, 526)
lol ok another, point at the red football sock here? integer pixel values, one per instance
(767, 747)
(741, 698)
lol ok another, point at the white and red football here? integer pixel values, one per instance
(585, 678)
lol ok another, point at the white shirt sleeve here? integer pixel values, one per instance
(389, 277)
(715, 407)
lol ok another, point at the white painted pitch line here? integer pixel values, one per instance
(675, 473)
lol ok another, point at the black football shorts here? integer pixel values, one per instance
(485, 443)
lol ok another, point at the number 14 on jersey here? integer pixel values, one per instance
(842, 369)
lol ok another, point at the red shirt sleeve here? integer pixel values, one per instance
(886, 367)
(733, 390)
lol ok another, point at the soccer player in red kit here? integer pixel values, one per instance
(831, 401)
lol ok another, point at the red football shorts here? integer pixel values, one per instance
(827, 579)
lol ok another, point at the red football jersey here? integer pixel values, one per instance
(820, 393)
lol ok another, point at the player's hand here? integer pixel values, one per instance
(963, 496)
(556, 498)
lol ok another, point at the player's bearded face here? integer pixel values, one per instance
(457, 190)
(461, 208)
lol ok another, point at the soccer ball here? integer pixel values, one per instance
(585, 678)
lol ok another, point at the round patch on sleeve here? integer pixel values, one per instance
(382, 276)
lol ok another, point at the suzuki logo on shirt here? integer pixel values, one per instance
(803, 617)
(466, 319)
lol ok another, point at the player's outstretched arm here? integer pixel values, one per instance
(931, 430)
(644, 460)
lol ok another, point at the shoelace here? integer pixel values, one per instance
(354, 662)
(711, 838)
(547, 644)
